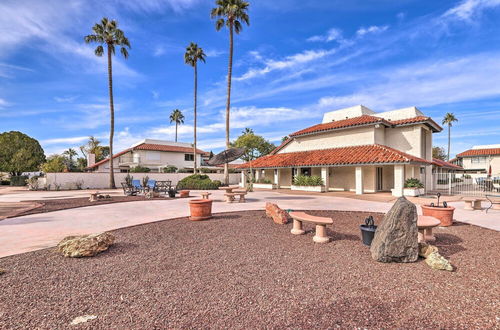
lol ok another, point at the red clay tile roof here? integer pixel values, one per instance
(358, 155)
(442, 163)
(152, 147)
(367, 120)
(479, 152)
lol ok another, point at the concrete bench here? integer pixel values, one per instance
(425, 224)
(230, 197)
(473, 203)
(320, 222)
(205, 195)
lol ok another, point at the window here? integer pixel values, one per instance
(188, 157)
(478, 160)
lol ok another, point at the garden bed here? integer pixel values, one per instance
(240, 270)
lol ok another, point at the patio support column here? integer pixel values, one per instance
(359, 180)
(258, 172)
(325, 176)
(243, 182)
(277, 177)
(399, 180)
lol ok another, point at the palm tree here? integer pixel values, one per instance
(191, 57)
(247, 131)
(449, 119)
(93, 146)
(70, 153)
(230, 13)
(107, 33)
(178, 118)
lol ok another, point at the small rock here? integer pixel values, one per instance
(85, 246)
(278, 215)
(424, 249)
(437, 261)
(2, 271)
(396, 239)
(83, 319)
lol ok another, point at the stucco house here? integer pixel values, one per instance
(356, 149)
(153, 154)
(479, 159)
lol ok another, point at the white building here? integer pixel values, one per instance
(480, 158)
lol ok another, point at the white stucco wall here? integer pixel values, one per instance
(101, 180)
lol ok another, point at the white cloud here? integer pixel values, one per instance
(426, 83)
(468, 9)
(333, 34)
(158, 5)
(3, 103)
(372, 29)
(288, 62)
(66, 99)
(68, 140)
(214, 52)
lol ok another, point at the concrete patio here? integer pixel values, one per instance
(38, 231)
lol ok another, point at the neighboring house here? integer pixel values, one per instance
(153, 154)
(479, 159)
(356, 149)
(441, 166)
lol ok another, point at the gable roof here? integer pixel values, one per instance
(151, 147)
(357, 155)
(367, 120)
(442, 163)
(479, 152)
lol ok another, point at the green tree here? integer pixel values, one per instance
(230, 13)
(449, 119)
(81, 164)
(191, 57)
(54, 164)
(107, 33)
(178, 118)
(255, 145)
(438, 153)
(283, 139)
(70, 153)
(93, 146)
(19, 153)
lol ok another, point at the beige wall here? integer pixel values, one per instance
(285, 177)
(101, 180)
(342, 178)
(269, 175)
(494, 161)
(342, 138)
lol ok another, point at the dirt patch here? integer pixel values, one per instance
(240, 270)
(71, 203)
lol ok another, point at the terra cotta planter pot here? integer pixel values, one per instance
(201, 209)
(444, 214)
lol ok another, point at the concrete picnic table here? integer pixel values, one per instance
(229, 189)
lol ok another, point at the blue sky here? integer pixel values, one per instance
(297, 60)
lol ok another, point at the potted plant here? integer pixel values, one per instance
(308, 183)
(201, 209)
(443, 213)
(368, 231)
(413, 187)
(264, 184)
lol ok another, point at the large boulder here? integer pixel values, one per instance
(396, 239)
(85, 246)
(278, 215)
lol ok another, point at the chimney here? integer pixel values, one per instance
(90, 159)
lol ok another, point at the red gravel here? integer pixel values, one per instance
(240, 270)
(71, 203)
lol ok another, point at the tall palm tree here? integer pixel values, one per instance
(107, 33)
(449, 119)
(230, 13)
(178, 118)
(191, 57)
(247, 131)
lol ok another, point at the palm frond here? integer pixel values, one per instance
(124, 52)
(99, 50)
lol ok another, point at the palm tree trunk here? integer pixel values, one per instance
(112, 126)
(195, 92)
(176, 123)
(449, 142)
(228, 104)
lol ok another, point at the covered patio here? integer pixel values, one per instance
(361, 169)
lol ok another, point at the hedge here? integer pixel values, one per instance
(198, 182)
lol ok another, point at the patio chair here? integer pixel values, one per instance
(137, 185)
(151, 185)
(163, 186)
(129, 190)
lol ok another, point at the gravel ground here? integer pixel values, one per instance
(71, 203)
(240, 270)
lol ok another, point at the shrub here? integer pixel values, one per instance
(264, 180)
(54, 164)
(198, 182)
(145, 181)
(413, 183)
(184, 170)
(128, 180)
(170, 169)
(467, 176)
(33, 183)
(140, 169)
(207, 170)
(19, 180)
(304, 180)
